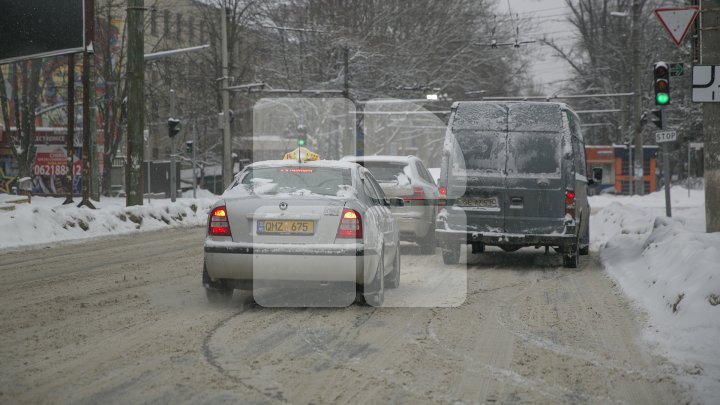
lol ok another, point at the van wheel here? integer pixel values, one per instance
(571, 258)
(451, 254)
(585, 243)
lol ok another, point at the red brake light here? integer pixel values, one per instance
(570, 203)
(443, 191)
(218, 224)
(350, 225)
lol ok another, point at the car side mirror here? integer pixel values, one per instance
(597, 174)
(394, 202)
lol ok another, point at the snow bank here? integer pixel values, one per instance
(46, 220)
(671, 268)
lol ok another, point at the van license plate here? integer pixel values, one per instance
(285, 227)
(478, 202)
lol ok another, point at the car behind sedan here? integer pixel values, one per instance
(406, 177)
(314, 224)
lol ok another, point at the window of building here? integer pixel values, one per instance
(191, 29)
(178, 32)
(166, 22)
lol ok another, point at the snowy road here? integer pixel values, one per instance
(125, 320)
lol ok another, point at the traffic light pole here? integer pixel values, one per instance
(173, 190)
(666, 168)
(637, 99)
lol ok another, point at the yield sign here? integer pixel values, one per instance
(677, 21)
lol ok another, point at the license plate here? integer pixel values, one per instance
(491, 202)
(285, 227)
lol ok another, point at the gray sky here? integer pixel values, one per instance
(548, 19)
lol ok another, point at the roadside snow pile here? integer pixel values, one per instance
(671, 267)
(46, 220)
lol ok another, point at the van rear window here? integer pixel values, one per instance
(533, 153)
(482, 150)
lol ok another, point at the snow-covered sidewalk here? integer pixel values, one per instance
(671, 268)
(47, 221)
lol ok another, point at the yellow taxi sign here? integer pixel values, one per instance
(305, 155)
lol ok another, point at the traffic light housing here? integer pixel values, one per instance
(189, 147)
(661, 73)
(656, 116)
(173, 127)
(301, 135)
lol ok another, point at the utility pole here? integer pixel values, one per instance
(136, 102)
(173, 180)
(227, 142)
(637, 99)
(710, 55)
(70, 138)
(87, 118)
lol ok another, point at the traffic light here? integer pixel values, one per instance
(173, 127)
(657, 117)
(302, 135)
(661, 73)
(189, 147)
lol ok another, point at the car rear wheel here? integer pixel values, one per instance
(377, 297)
(451, 254)
(427, 242)
(393, 279)
(216, 292)
(571, 256)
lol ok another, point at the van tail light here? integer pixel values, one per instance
(441, 202)
(350, 225)
(218, 224)
(570, 203)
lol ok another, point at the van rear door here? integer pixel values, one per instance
(535, 186)
(477, 174)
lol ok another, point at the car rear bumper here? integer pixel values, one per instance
(464, 237)
(248, 263)
(414, 223)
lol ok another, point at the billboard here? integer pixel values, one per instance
(31, 29)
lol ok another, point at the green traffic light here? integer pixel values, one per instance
(662, 98)
(301, 142)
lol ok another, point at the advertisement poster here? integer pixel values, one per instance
(50, 170)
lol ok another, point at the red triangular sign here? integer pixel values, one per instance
(677, 21)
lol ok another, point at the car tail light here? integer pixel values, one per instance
(443, 195)
(418, 195)
(218, 224)
(350, 225)
(570, 203)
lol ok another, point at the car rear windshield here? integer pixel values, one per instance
(298, 180)
(389, 172)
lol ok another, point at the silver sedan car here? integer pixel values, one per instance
(406, 177)
(302, 224)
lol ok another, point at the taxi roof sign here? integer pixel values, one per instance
(305, 155)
